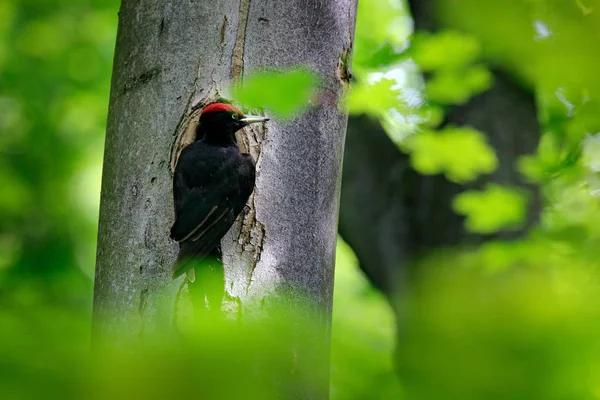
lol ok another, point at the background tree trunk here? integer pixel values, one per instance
(391, 214)
(171, 58)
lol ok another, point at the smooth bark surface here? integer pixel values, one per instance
(171, 58)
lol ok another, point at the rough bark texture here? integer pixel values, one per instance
(171, 58)
(390, 214)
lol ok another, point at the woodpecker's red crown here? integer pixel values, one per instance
(217, 107)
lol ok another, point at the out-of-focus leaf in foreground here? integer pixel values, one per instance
(45, 350)
(363, 335)
(284, 93)
(530, 332)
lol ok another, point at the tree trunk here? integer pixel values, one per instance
(172, 58)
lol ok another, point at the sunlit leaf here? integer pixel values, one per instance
(554, 157)
(493, 209)
(375, 98)
(458, 86)
(381, 32)
(444, 50)
(431, 115)
(461, 153)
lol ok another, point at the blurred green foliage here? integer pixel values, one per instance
(520, 333)
(381, 31)
(363, 336)
(451, 59)
(55, 61)
(508, 205)
(506, 320)
(550, 46)
(382, 95)
(436, 152)
(456, 87)
(446, 50)
(45, 352)
(284, 93)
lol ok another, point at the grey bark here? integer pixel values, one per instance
(391, 215)
(172, 58)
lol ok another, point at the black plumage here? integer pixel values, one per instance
(213, 181)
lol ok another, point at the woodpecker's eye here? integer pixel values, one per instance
(235, 116)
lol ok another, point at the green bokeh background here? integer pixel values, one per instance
(514, 320)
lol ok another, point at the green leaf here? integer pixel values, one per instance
(375, 98)
(444, 50)
(381, 32)
(458, 86)
(285, 93)
(555, 156)
(432, 115)
(377, 58)
(491, 210)
(461, 153)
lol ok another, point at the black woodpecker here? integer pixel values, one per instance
(213, 181)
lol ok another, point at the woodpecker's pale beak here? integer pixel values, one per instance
(251, 119)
